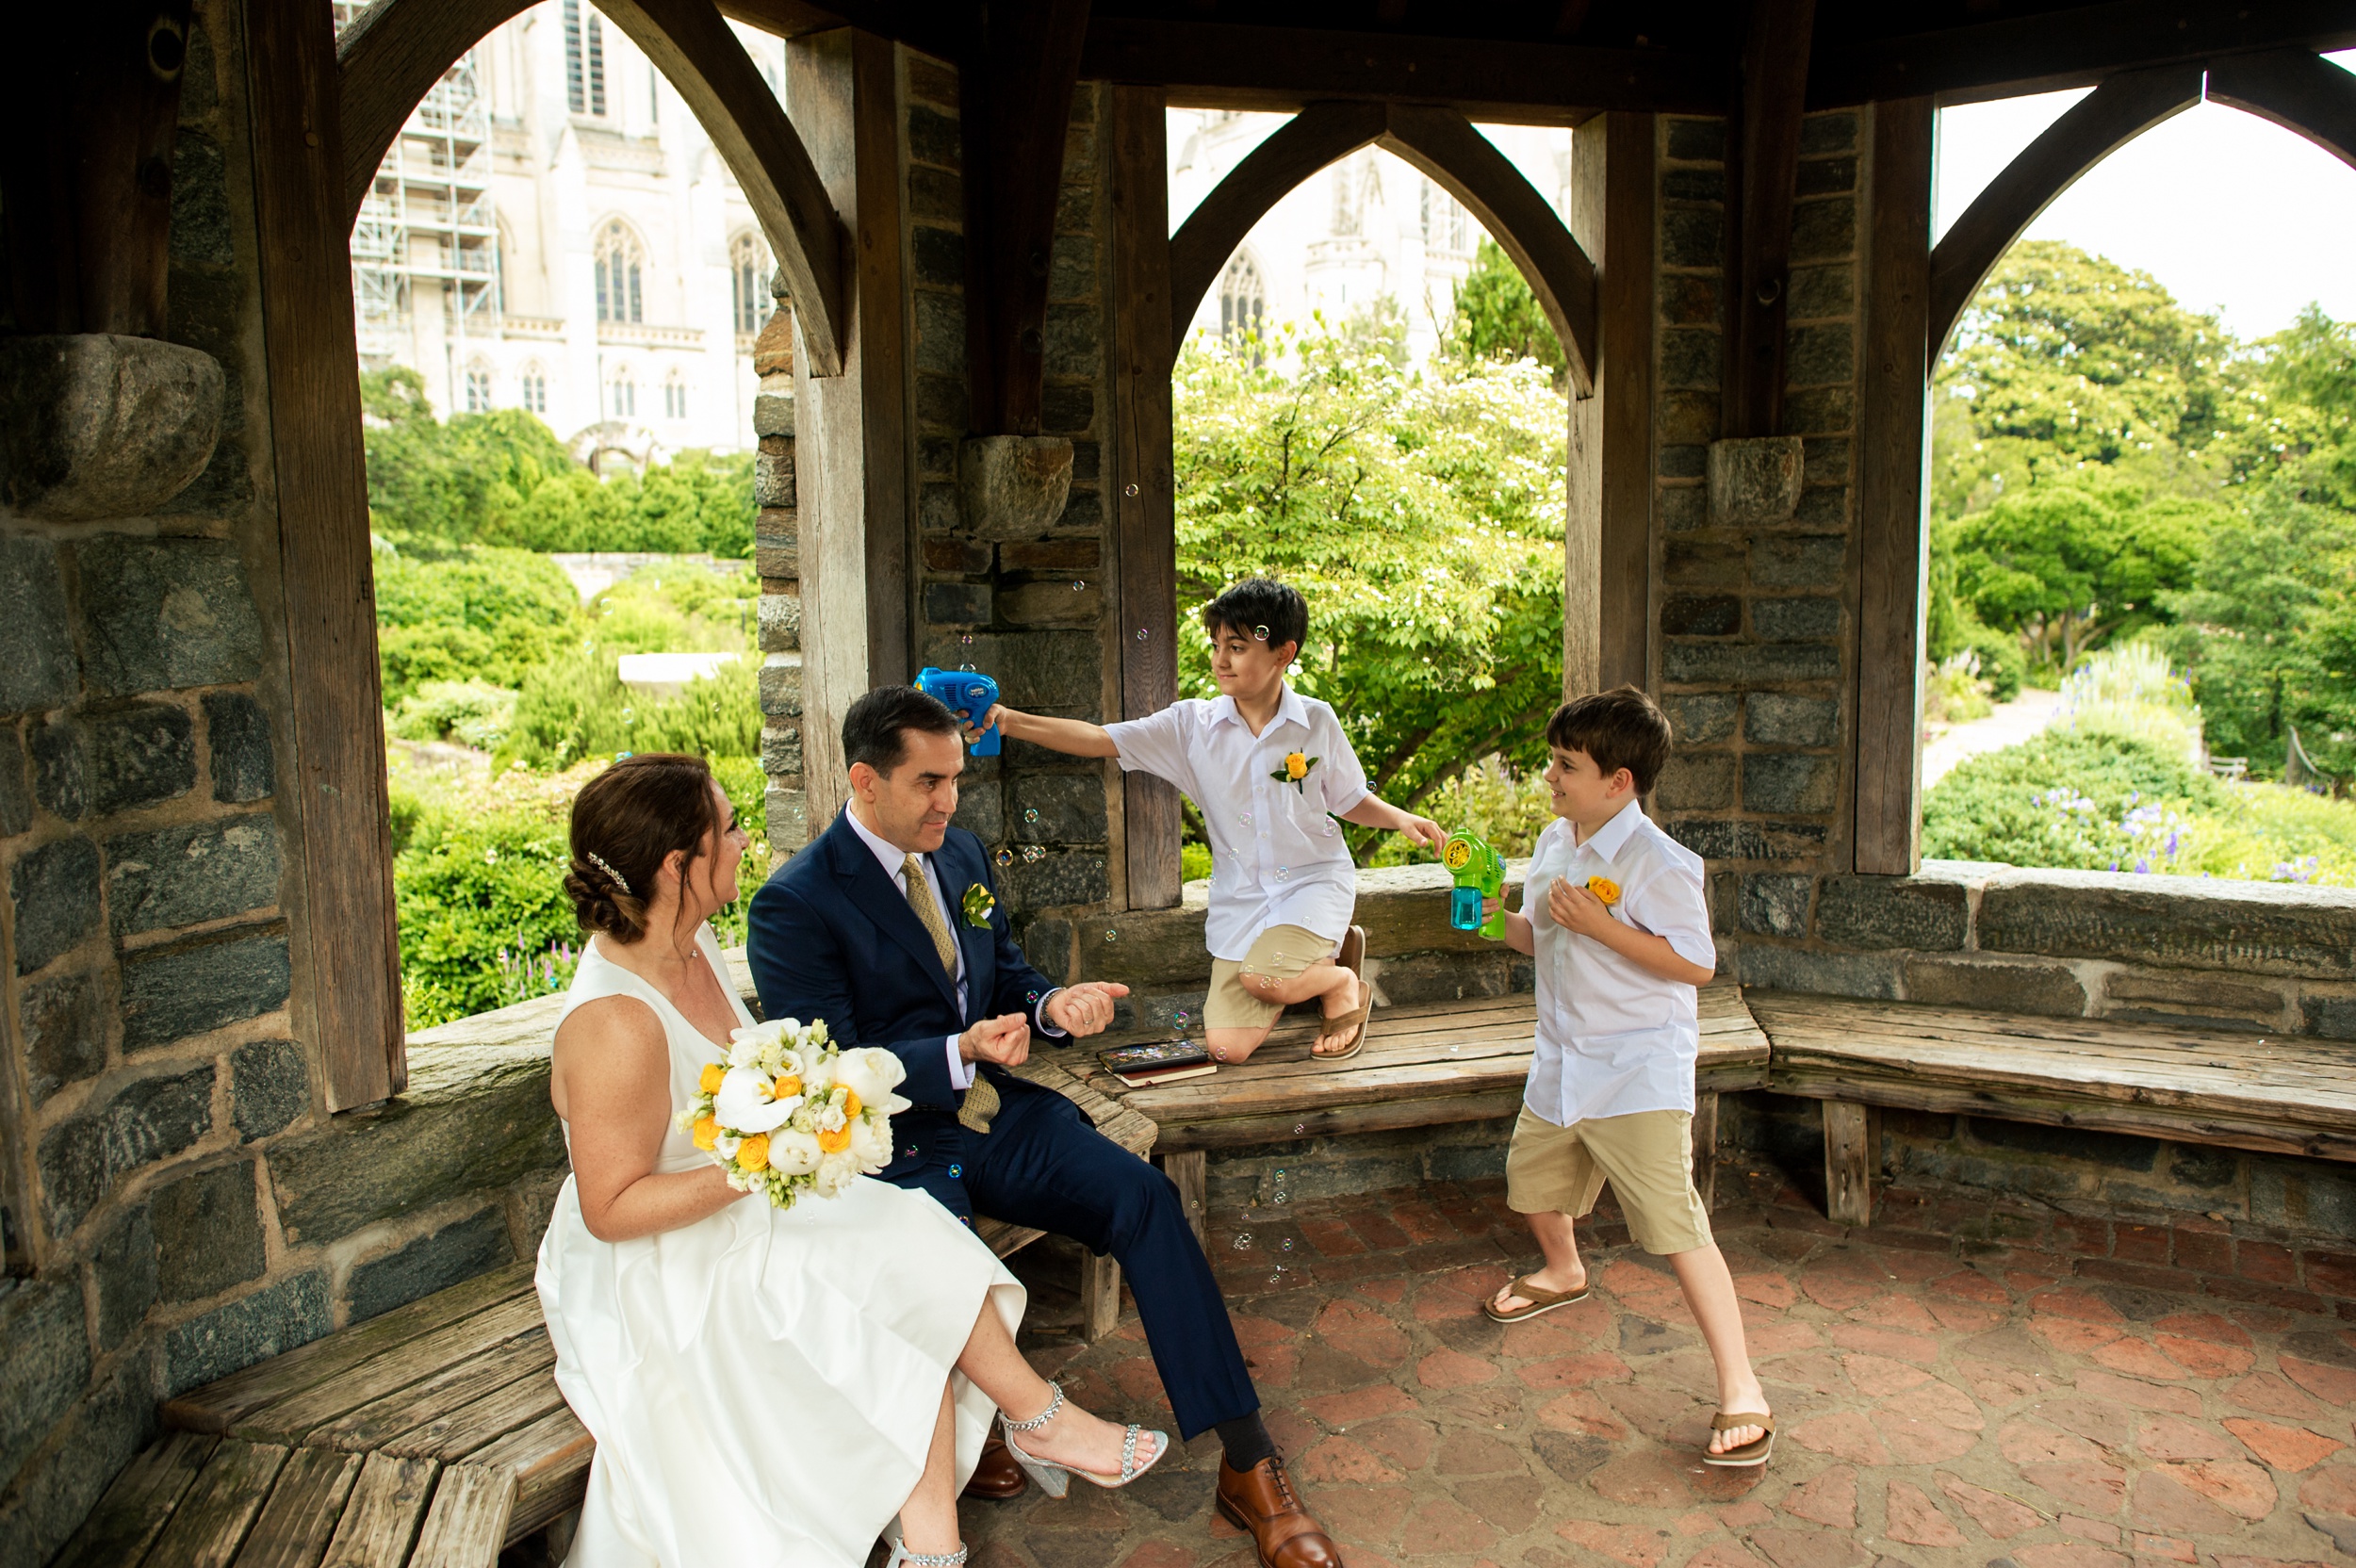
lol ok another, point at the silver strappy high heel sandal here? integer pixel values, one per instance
(1055, 1479)
(901, 1556)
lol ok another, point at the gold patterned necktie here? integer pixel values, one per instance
(981, 1101)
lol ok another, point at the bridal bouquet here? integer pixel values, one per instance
(788, 1113)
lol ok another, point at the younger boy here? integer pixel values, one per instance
(1270, 769)
(1616, 916)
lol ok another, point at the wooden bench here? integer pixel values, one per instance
(2279, 1096)
(429, 1437)
(1425, 1065)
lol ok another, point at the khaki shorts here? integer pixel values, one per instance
(1647, 1157)
(1281, 952)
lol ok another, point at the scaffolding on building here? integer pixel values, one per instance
(429, 219)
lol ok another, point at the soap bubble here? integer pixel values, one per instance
(1284, 1198)
(1110, 936)
(966, 639)
(1130, 489)
(1243, 1242)
(1288, 1244)
(1005, 857)
(1140, 634)
(967, 668)
(1261, 633)
(1283, 874)
(1181, 1019)
(1031, 814)
(1297, 1127)
(1077, 584)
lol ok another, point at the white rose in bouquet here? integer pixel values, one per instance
(793, 1153)
(871, 1144)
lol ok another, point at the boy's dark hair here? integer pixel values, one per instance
(1257, 602)
(875, 730)
(1619, 729)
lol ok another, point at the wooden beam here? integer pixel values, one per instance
(1893, 456)
(2296, 91)
(1441, 143)
(852, 453)
(688, 43)
(387, 60)
(1446, 146)
(1317, 136)
(1758, 220)
(2048, 49)
(1226, 65)
(1100, 1296)
(1608, 549)
(1014, 96)
(1188, 1171)
(346, 929)
(89, 101)
(1144, 500)
(1705, 1149)
(1849, 1158)
(2095, 126)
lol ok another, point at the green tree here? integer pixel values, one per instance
(477, 613)
(435, 481)
(2067, 565)
(2299, 433)
(1422, 516)
(1499, 317)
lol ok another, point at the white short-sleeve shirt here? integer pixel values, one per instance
(1277, 857)
(1613, 1040)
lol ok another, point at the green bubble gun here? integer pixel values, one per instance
(1480, 873)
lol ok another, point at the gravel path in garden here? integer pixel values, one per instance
(1944, 745)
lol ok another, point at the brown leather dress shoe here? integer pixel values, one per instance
(997, 1476)
(1261, 1502)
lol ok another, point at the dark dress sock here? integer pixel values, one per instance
(1246, 1440)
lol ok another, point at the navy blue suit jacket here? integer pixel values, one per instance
(832, 938)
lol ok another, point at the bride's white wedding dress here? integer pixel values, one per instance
(762, 1384)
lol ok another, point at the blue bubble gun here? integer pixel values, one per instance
(964, 689)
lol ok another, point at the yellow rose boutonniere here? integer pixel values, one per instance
(1295, 770)
(977, 904)
(1605, 889)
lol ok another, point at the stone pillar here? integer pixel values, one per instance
(777, 558)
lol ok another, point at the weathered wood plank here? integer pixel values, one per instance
(214, 1515)
(1705, 1147)
(138, 1504)
(550, 1463)
(438, 1396)
(1848, 1164)
(293, 1418)
(467, 1524)
(478, 1426)
(347, 960)
(1144, 499)
(301, 1516)
(1891, 497)
(381, 1517)
(1766, 155)
(213, 1406)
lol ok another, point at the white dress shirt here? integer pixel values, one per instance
(894, 863)
(1277, 857)
(1613, 1040)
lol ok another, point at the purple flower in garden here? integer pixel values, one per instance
(2143, 868)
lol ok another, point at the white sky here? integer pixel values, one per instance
(2230, 213)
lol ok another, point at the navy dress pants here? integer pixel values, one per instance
(1043, 1166)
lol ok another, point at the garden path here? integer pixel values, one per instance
(1963, 1383)
(2009, 725)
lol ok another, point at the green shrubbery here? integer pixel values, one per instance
(473, 613)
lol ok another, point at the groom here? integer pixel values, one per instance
(887, 927)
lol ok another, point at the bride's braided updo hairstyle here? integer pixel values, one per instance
(625, 822)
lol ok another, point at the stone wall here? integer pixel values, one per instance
(175, 1201)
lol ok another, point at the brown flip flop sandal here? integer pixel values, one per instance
(1752, 1453)
(1353, 957)
(1541, 1301)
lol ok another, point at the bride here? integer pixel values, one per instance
(765, 1386)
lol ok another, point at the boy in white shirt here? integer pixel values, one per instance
(1616, 917)
(1269, 770)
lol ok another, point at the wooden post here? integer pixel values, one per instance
(1608, 549)
(1144, 502)
(1188, 1171)
(1763, 180)
(851, 453)
(1893, 460)
(1706, 1149)
(1100, 1296)
(1849, 1154)
(348, 921)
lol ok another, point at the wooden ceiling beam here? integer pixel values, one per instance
(1225, 65)
(2080, 46)
(2095, 126)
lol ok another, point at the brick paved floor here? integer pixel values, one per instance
(1965, 1385)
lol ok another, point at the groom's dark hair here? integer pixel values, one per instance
(875, 731)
